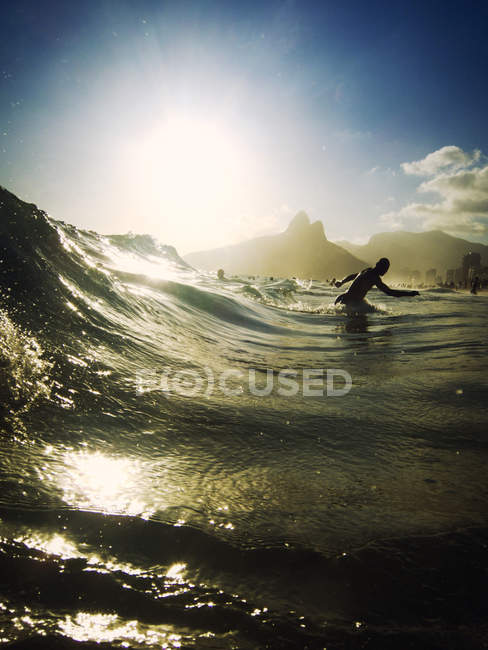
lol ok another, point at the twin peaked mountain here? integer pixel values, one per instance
(302, 250)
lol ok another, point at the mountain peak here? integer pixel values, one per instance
(299, 222)
(418, 251)
(300, 226)
(317, 228)
(302, 250)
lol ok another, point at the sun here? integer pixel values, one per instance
(189, 157)
(188, 170)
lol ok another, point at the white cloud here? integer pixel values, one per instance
(446, 158)
(378, 170)
(461, 190)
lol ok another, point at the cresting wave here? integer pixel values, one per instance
(93, 276)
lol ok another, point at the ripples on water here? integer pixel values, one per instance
(131, 514)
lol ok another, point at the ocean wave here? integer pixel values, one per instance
(183, 587)
(24, 373)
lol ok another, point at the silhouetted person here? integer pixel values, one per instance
(220, 274)
(475, 285)
(366, 280)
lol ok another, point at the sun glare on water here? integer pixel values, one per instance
(99, 482)
(109, 628)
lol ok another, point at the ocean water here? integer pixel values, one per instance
(150, 497)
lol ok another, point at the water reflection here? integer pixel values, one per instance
(108, 484)
(110, 628)
(359, 323)
(50, 544)
(176, 571)
(63, 548)
(356, 323)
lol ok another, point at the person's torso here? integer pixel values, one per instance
(362, 283)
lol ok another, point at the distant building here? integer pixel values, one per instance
(459, 275)
(430, 276)
(471, 265)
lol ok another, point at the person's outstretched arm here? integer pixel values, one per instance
(396, 293)
(339, 283)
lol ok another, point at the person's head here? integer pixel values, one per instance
(382, 265)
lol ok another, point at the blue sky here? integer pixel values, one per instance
(204, 123)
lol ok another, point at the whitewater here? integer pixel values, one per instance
(133, 514)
